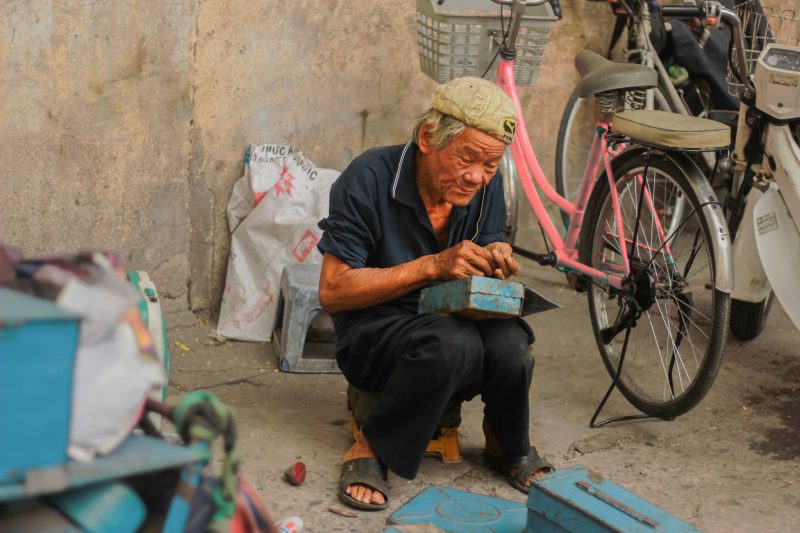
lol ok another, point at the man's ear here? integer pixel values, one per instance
(423, 139)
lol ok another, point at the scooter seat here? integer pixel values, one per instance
(671, 130)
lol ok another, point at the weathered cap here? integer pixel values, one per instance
(478, 103)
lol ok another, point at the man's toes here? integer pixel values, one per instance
(377, 498)
(363, 493)
(358, 492)
(537, 474)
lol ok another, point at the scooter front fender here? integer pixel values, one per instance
(750, 282)
(778, 243)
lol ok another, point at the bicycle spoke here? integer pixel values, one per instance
(675, 349)
(687, 336)
(658, 347)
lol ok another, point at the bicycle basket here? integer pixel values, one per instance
(762, 25)
(461, 38)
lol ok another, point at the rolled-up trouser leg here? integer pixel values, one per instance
(507, 373)
(431, 358)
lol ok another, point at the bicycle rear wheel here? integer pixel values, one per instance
(675, 346)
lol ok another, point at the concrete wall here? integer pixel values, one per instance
(124, 123)
(95, 109)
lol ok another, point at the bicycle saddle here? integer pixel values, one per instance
(601, 75)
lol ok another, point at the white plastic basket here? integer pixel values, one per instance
(461, 38)
(760, 26)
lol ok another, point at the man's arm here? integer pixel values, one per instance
(343, 288)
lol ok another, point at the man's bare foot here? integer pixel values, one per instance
(358, 491)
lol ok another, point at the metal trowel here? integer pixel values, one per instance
(533, 302)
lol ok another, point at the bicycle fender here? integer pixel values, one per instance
(721, 247)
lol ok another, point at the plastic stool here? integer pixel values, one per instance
(298, 303)
(445, 445)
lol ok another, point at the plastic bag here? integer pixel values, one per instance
(272, 214)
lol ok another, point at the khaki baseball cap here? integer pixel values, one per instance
(478, 103)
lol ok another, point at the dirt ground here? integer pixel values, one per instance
(731, 464)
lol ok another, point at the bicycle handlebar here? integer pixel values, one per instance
(731, 19)
(698, 11)
(528, 3)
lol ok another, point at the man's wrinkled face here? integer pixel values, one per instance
(465, 165)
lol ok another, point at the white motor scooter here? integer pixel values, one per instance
(765, 217)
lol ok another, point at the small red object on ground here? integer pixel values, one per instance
(296, 473)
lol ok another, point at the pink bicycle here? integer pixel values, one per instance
(658, 288)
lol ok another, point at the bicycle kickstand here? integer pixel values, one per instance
(627, 322)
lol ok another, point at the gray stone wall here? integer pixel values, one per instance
(124, 123)
(95, 110)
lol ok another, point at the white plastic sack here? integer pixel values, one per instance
(272, 214)
(115, 365)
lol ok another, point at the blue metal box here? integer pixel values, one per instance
(578, 500)
(458, 511)
(37, 355)
(474, 297)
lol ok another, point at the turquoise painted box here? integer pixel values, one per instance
(459, 511)
(576, 499)
(38, 341)
(474, 297)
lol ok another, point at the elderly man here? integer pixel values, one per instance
(403, 218)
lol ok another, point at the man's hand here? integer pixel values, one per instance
(505, 266)
(468, 259)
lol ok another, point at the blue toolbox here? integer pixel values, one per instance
(37, 357)
(41, 489)
(474, 297)
(578, 500)
(479, 297)
(573, 500)
(458, 511)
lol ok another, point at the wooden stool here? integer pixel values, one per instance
(360, 404)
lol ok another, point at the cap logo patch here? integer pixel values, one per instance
(510, 126)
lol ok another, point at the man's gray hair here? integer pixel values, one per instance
(444, 128)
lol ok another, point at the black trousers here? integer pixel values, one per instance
(421, 362)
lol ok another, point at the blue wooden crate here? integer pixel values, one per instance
(461, 512)
(37, 355)
(578, 500)
(109, 506)
(474, 297)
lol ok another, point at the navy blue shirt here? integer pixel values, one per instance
(377, 219)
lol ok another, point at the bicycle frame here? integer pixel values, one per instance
(565, 249)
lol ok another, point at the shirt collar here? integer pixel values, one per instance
(404, 183)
